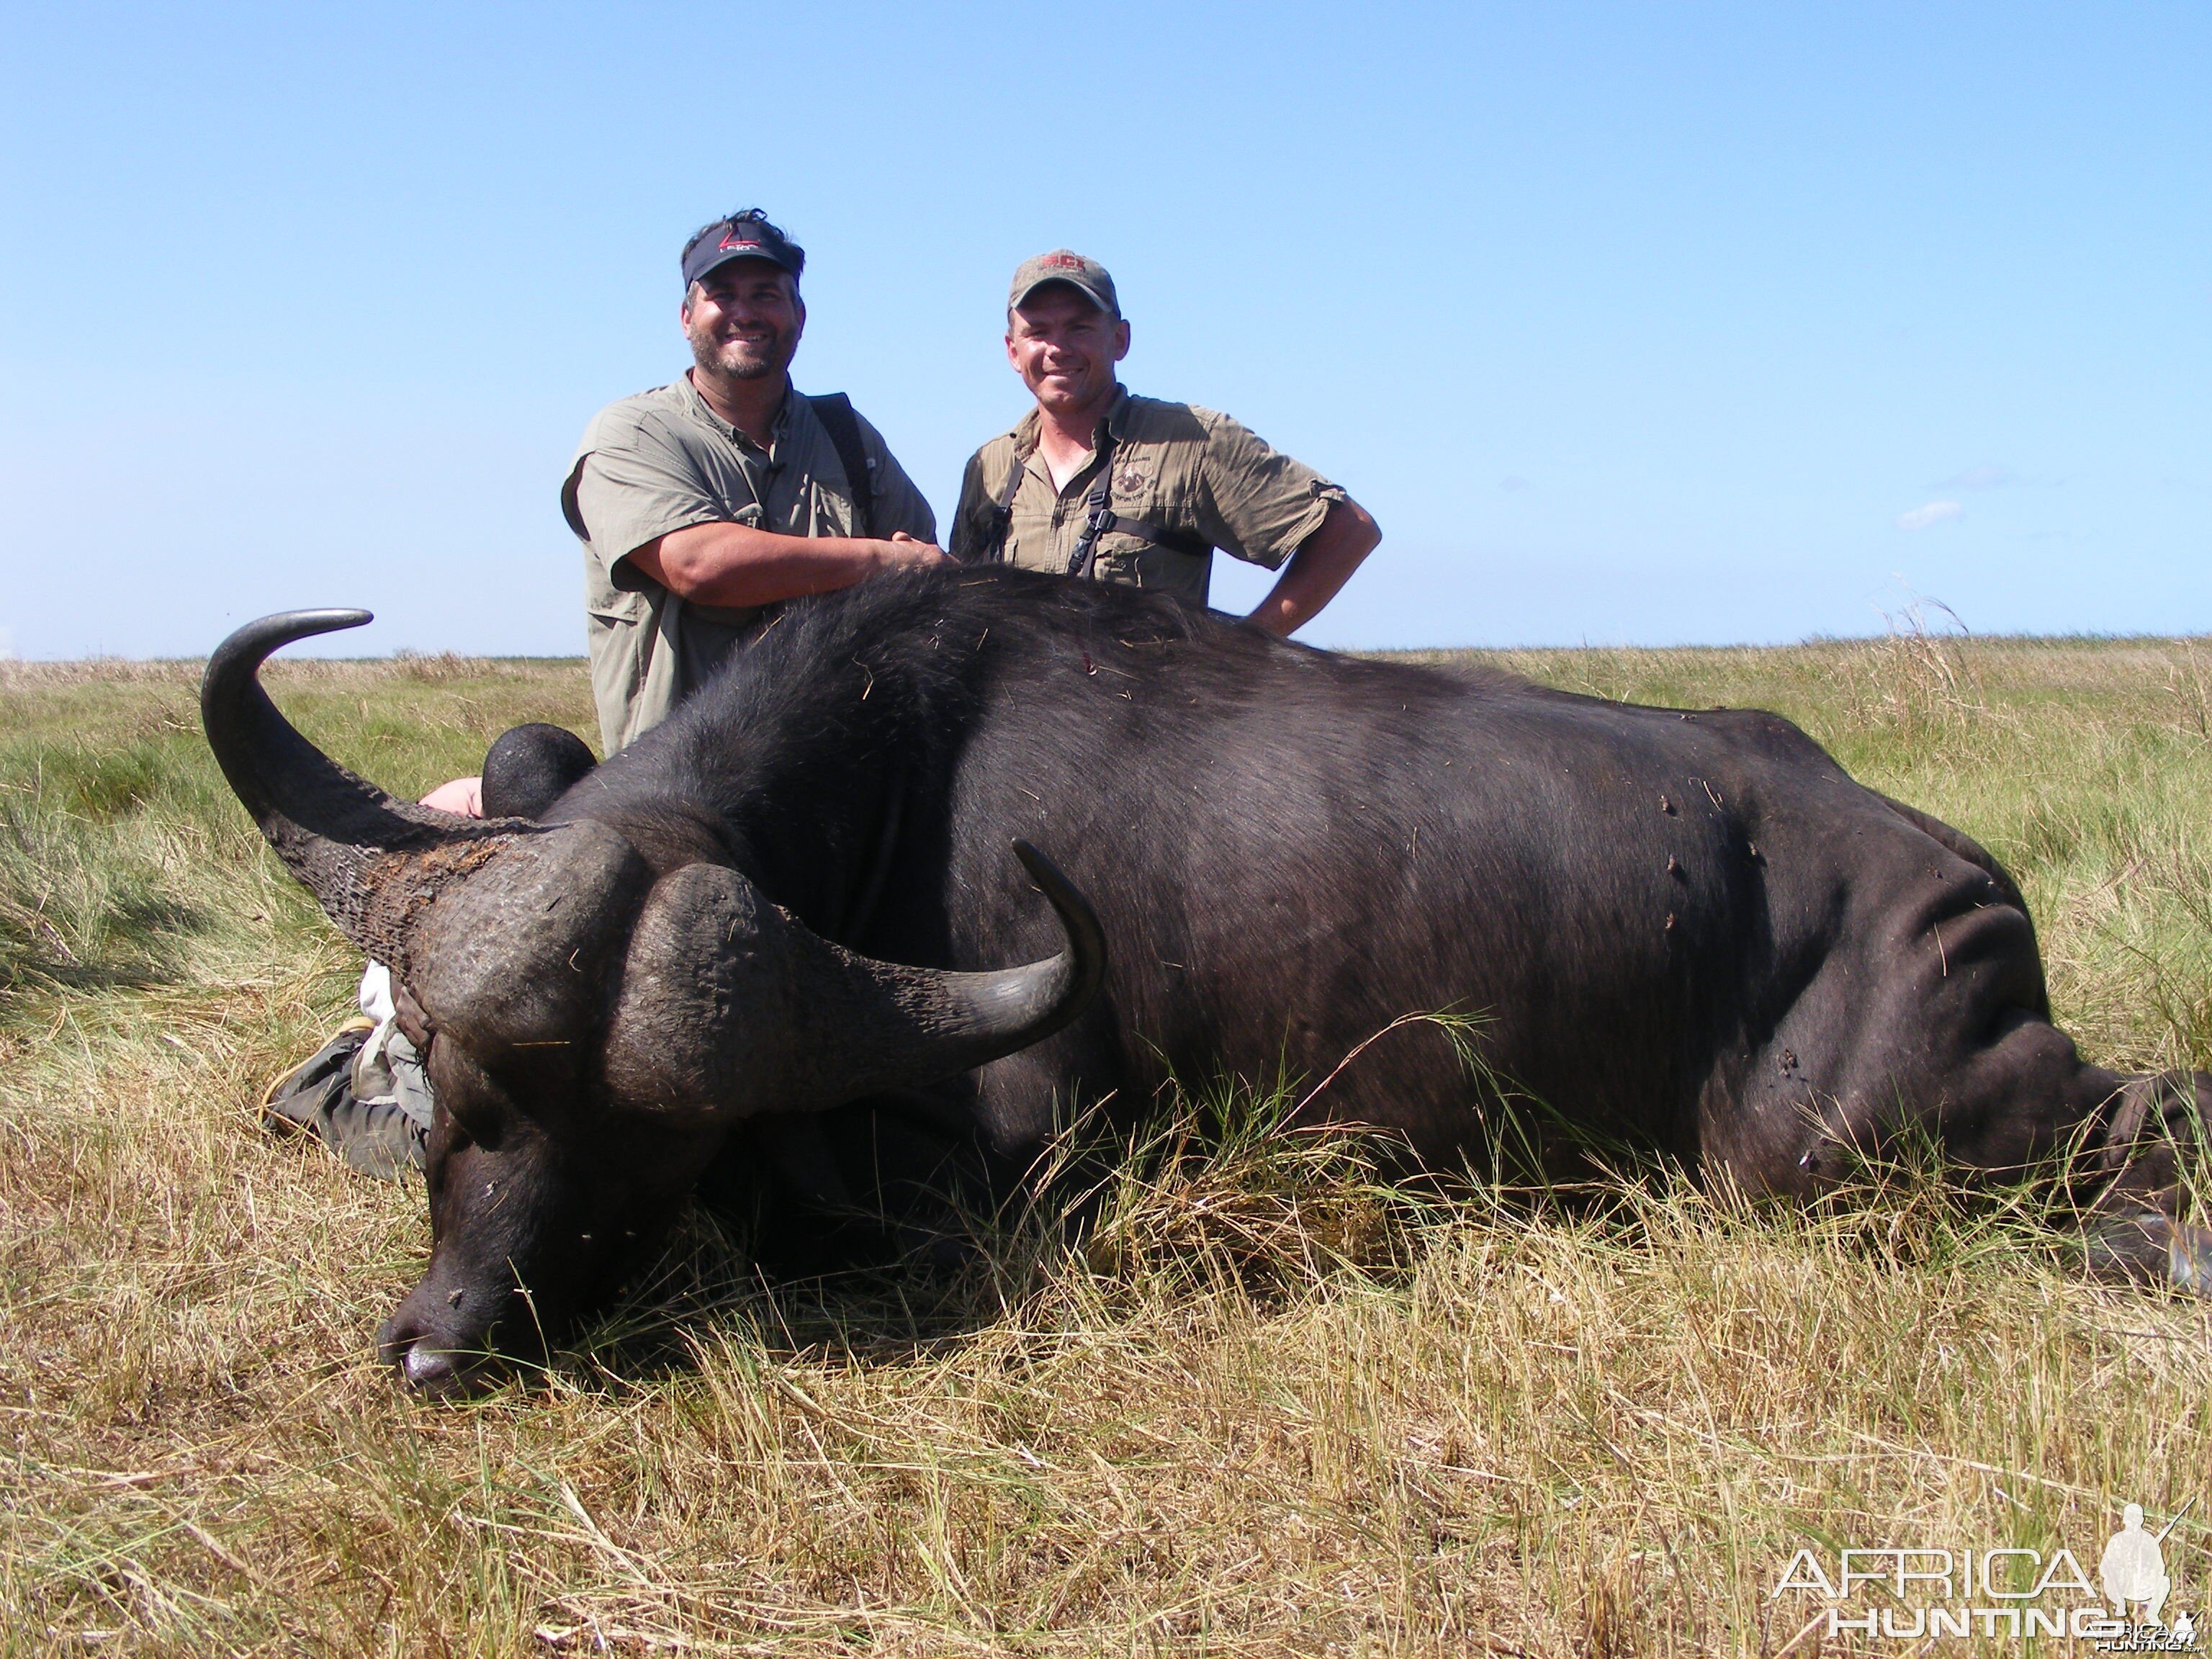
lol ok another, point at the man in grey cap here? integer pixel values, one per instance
(703, 504)
(1096, 483)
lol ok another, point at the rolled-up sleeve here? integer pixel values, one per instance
(633, 483)
(1255, 501)
(899, 505)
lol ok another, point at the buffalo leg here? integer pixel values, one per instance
(1938, 1025)
(2122, 1140)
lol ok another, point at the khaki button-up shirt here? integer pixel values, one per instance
(1202, 478)
(664, 461)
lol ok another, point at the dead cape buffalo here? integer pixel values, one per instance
(1688, 928)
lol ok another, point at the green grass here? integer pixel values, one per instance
(1272, 1404)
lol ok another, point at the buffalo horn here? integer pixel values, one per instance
(943, 1023)
(371, 861)
(730, 1004)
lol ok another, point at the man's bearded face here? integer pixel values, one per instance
(744, 320)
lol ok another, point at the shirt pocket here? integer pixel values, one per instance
(1169, 570)
(1135, 492)
(1119, 559)
(614, 604)
(1149, 565)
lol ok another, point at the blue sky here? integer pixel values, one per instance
(1629, 322)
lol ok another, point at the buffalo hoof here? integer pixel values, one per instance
(2150, 1247)
(2188, 1263)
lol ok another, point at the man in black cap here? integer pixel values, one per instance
(705, 502)
(702, 505)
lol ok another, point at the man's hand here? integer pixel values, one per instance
(736, 566)
(910, 553)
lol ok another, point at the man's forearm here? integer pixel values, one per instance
(735, 565)
(1324, 561)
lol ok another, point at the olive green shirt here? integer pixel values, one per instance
(1204, 479)
(664, 461)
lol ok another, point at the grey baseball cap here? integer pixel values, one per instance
(1086, 277)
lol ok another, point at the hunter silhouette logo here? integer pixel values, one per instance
(2134, 1567)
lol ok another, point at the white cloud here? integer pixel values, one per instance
(1988, 476)
(1934, 512)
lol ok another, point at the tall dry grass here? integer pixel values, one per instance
(1274, 1403)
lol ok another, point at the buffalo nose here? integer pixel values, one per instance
(428, 1369)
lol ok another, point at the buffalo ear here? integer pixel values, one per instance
(730, 1005)
(518, 953)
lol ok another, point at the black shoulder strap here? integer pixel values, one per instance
(834, 410)
(1002, 510)
(1098, 512)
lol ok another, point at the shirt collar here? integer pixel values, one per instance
(1114, 422)
(705, 412)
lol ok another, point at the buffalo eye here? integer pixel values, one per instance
(468, 1099)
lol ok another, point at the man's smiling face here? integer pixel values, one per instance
(744, 320)
(1065, 348)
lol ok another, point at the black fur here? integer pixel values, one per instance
(1689, 927)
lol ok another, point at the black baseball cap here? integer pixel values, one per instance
(746, 235)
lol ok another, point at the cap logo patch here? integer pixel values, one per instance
(735, 241)
(1061, 261)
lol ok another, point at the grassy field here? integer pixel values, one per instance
(1271, 1407)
